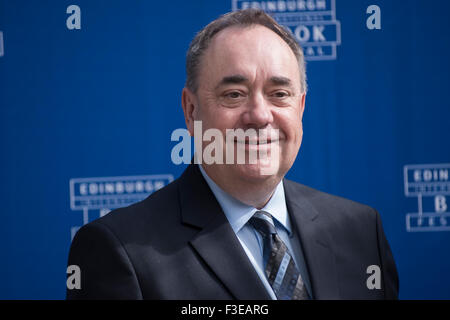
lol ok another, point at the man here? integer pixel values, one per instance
(232, 230)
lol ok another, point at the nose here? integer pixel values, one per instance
(258, 112)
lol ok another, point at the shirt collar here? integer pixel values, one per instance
(239, 213)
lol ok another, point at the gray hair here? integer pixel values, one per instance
(242, 18)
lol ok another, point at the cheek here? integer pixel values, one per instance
(219, 118)
(297, 125)
(296, 132)
(290, 123)
(215, 116)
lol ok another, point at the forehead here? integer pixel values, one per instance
(250, 51)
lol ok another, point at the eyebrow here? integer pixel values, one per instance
(238, 79)
(281, 81)
(234, 79)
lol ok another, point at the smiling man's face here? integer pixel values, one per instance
(249, 78)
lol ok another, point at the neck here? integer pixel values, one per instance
(255, 193)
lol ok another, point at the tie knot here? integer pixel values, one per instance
(263, 223)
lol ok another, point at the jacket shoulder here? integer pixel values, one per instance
(334, 207)
(145, 216)
(316, 195)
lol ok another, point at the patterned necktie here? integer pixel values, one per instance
(280, 269)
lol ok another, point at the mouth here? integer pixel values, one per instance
(256, 142)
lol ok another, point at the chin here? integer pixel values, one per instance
(256, 172)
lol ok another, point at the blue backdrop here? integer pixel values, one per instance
(89, 96)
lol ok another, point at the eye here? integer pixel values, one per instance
(232, 98)
(233, 95)
(280, 94)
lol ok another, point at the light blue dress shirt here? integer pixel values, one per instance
(238, 215)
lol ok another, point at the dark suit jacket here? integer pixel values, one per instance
(178, 244)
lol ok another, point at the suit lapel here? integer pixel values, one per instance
(220, 249)
(315, 242)
(217, 243)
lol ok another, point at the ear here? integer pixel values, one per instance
(302, 104)
(190, 109)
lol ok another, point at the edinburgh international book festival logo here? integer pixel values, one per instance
(312, 22)
(95, 197)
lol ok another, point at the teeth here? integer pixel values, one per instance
(256, 142)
